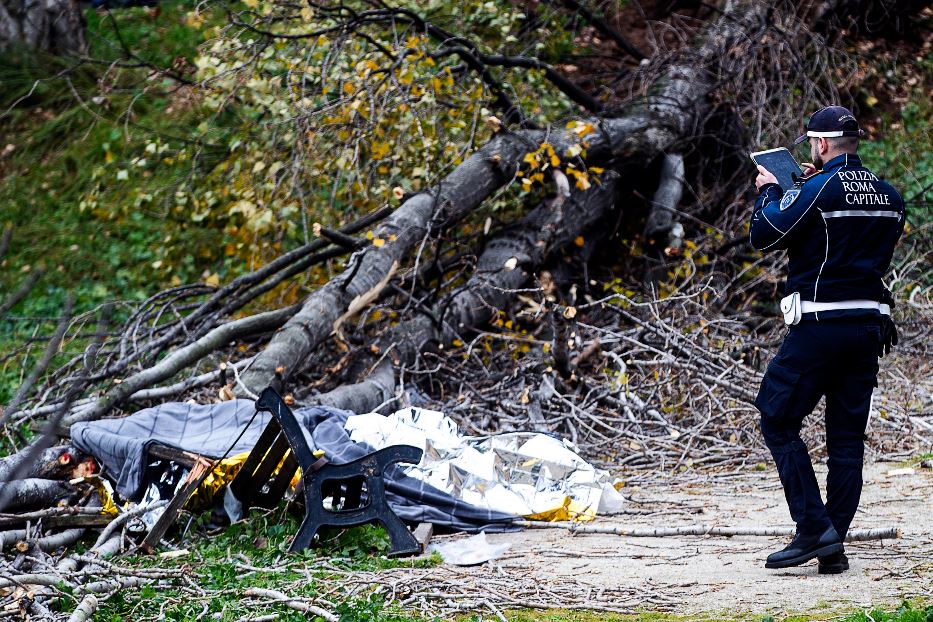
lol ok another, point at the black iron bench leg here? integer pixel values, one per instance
(317, 479)
(305, 535)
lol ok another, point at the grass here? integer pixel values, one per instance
(220, 566)
(56, 144)
(52, 145)
(904, 613)
(897, 113)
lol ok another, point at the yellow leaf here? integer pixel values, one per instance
(378, 242)
(380, 150)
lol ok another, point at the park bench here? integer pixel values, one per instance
(356, 489)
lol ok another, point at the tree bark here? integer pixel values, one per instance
(55, 26)
(46, 464)
(507, 265)
(33, 493)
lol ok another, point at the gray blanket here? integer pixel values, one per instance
(120, 445)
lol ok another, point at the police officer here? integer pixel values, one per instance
(839, 225)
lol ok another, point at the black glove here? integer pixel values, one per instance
(888, 328)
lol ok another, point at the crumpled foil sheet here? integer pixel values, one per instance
(528, 474)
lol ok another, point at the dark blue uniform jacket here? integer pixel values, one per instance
(839, 226)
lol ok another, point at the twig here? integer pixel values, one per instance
(298, 604)
(50, 351)
(856, 535)
(180, 359)
(5, 239)
(120, 520)
(21, 292)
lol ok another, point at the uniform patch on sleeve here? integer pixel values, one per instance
(789, 197)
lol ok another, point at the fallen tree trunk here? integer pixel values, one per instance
(33, 492)
(506, 266)
(667, 115)
(47, 464)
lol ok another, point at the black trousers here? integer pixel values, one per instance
(837, 359)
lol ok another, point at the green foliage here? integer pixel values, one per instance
(60, 117)
(321, 126)
(162, 36)
(900, 145)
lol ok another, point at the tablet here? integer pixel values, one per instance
(781, 164)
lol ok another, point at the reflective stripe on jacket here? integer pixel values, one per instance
(839, 227)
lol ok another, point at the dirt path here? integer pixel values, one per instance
(723, 575)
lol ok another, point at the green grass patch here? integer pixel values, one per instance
(63, 121)
(253, 554)
(905, 613)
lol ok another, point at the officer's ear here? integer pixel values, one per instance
(823, 145)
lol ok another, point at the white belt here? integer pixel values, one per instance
(812, 307)
(793, 307)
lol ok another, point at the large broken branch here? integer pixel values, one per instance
(506, 266)
(666, 115)
(180, 359)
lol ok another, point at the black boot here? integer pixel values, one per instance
(804, 548)
(833, 564)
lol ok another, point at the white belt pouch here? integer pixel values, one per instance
(790, 307)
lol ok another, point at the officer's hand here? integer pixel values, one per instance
(888, 335)
(808, 169)
(888, 328)
(764, 177)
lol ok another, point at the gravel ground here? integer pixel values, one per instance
(724, 577)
